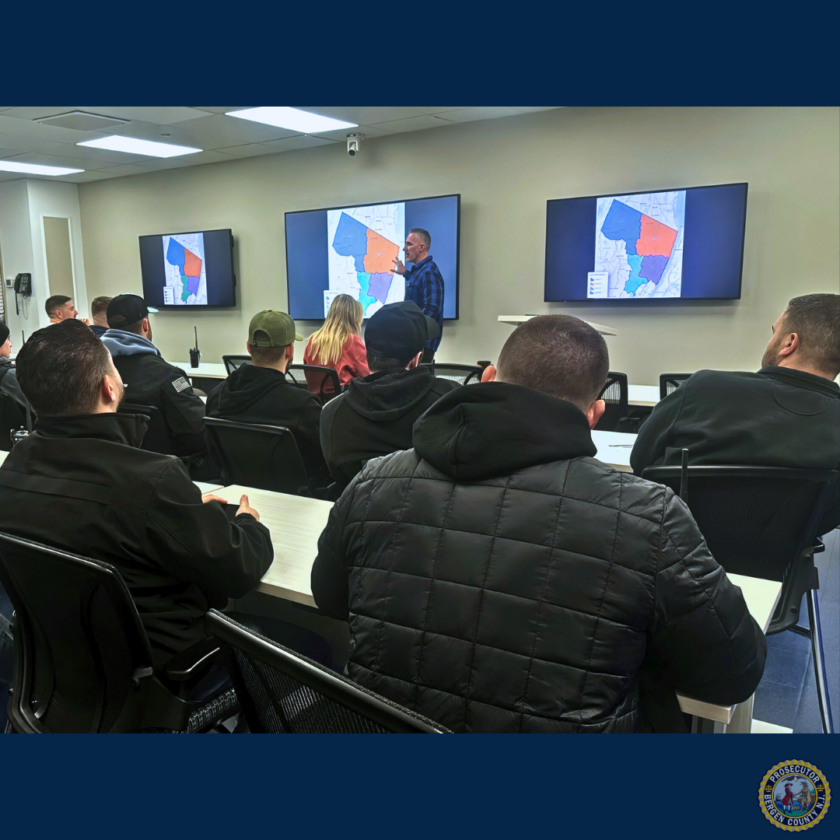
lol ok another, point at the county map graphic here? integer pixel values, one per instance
(638, 246)
(363, 244)
(186, 279)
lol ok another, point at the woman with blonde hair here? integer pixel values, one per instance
(337, 344)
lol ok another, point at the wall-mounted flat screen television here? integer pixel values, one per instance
(351, 250)
(188, 270)
(684, 244)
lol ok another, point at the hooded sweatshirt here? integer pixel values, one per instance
(150, 380)
(375, 417)
(254, 394)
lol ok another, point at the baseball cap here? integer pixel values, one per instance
(399, 330)
(126, 309)
(278, 326)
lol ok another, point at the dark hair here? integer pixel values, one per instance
(60, 369)
(55, 302)
(378, 363)
(424, 235)
(100, 305)
(816, 320)
(558, 355)
(266, 356)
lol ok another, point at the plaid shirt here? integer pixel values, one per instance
(424, 285)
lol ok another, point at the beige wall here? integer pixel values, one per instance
(58, 256)
(505, 171)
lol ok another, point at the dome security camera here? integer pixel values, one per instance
(353, 143)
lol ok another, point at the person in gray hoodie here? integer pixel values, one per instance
(150, 380)
(376, 414)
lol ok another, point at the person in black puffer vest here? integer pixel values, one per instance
(499, 578)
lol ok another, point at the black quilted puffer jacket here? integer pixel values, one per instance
(499, 578)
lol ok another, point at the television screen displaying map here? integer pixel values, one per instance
(185, 271)
(362, 244)
(638, 246)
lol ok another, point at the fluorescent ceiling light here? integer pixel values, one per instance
(132, 145)
(35, 169)
(292, 118)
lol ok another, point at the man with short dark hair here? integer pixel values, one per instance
(376, 413)
(498, 578)
(99, 312)
(785, 415)
(261, 393)
(150, 380)
(61, 308)
(423, 284)
(80, 483)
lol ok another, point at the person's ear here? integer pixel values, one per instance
(415, 361)
(146, 326)
(789, 345)
(596, 411)
(290, 351)
(109, 392)
(247, 348)
(489, 374)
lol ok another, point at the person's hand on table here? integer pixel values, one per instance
(210, 497)
(244, 506)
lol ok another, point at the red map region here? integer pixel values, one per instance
(381, 253)
(657, 240)
(192, 264)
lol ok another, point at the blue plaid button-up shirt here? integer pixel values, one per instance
(424, 285)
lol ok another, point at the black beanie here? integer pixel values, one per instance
(4, 333)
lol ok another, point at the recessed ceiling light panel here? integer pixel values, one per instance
(132, 145)
(35, 168)
(292, 119)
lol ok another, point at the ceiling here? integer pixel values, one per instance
(222, 138)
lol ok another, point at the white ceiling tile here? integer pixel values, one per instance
(40, 111)
(27, 128)
(59, 160)
(341, 133)
(202, 157)
(364, 115)
(162, 115)
(302, 141)
(474, 114)
(12, 176)
(101, 174)
(30, 144)
(249, 150)
(412, 124)
(215, 109)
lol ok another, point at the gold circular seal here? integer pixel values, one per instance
(794, 795)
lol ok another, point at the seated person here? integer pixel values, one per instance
(498, 578)
(786, 415)
(15, 406)
(99, 312)
(149, 380)
(374, 416)
(337, 344)
(80, 483)
(61, 308)
(261, 393)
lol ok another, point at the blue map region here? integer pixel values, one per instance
(652, 267)
(623, 222)
(364, 298)
(350, 240)
(635, 280)
(175, 254)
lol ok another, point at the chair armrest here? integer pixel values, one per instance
(190, 662)
(819, 546)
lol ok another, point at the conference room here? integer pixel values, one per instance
(678, 236)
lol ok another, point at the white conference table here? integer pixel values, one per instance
(296, 523)
(647, 395)
(205, 370)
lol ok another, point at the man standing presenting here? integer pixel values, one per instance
(423, 283)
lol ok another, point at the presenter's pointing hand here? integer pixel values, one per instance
(399, 267)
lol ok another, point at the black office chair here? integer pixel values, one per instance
(12, 418)
(157, 438)
(83, 662)
(463, 374)
(254, 455)
(283, 692)
(614, 394)
(669, 382)
(321, 381)
(762, 522)
(234, 362)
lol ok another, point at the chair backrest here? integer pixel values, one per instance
(669, 382)
(82, 658)
(614, 394)
(322, 381)
(12, 418)
(282, 691)
(234, 362)
(157, 437)
(463, 374)
(255, 455)
(756, 520)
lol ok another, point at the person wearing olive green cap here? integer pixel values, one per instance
(261, 393)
